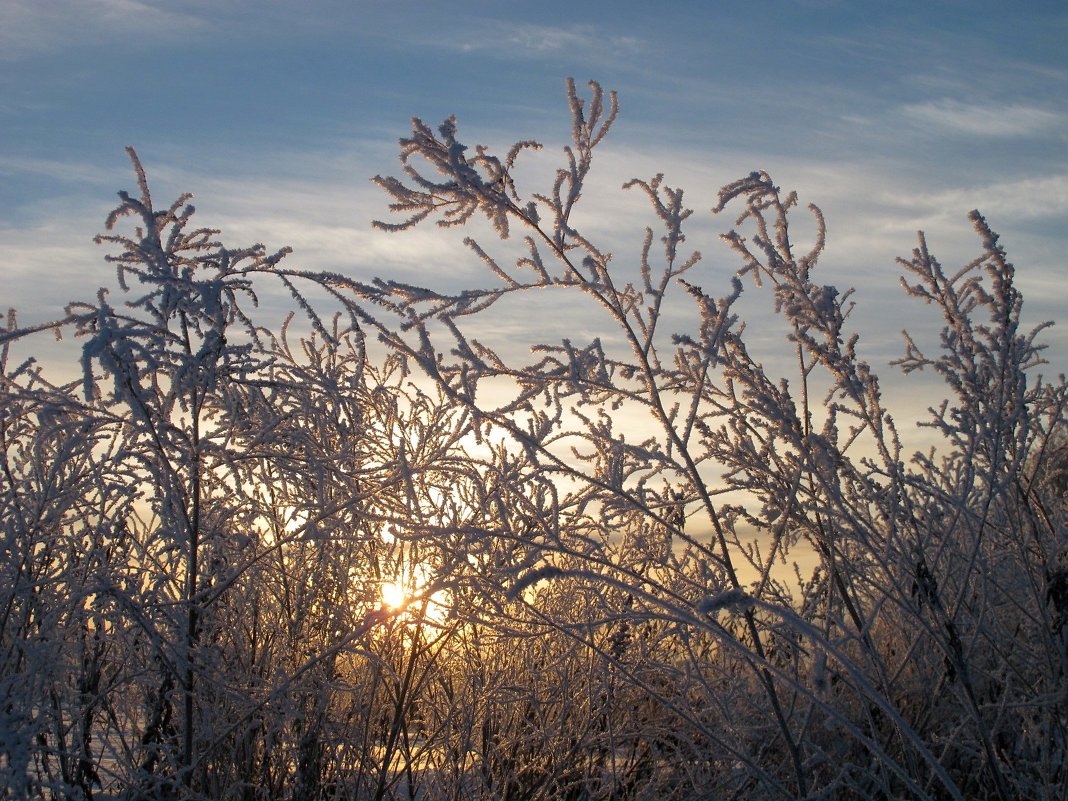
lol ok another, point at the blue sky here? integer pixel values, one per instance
(891, 116)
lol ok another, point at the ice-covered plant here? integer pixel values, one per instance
(194, 539)
(724, 467)
(240, 562)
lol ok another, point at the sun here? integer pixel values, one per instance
(408, 591)
(407, 587)
(393, 595)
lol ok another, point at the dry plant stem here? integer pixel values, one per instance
(603, 290)
(814, 494)
(195, 547)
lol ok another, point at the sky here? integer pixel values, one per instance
(891, 116)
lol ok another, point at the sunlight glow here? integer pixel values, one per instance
(393, 595)
(409, 589)
(295, 519)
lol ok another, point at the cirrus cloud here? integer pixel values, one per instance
(995, 120)
(41, 26)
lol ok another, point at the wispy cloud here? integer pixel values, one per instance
(995, 120)
(78, 171)
(36, 26)
(498, 37)
(1027, 199)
